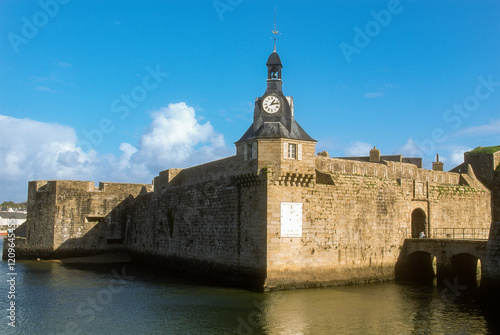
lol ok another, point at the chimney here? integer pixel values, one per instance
(437, 165)
(374, 155)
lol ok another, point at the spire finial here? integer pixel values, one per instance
(275, 31)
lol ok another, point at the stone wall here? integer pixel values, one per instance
(202, 173)
(351, 232)
(496, 196)
(490, 282)
(385, 169)
(214, 228)
(223, 219)
(39, 225)
(356, 218)
(67, 218)
(484, 165)
(81, 224)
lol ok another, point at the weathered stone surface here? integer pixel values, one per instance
(223, 219)
(69, 218)
(491, 265)
(273, 216)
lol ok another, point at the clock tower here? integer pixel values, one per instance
(275, 140)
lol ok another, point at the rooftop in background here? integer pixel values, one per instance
(13, 209)
(13, 215)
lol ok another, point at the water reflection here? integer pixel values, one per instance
(386, 308)
(57, 299)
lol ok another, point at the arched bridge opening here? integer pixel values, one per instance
(466, 270)
(418, 266)
(451, 262)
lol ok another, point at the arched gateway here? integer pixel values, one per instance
(418, 223)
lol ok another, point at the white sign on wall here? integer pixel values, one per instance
(291, 219)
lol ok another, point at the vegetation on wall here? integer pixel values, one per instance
(485, 150)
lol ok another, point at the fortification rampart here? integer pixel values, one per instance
(223, 168)
(224, 218)
(484, 164)
(216, 227)
(357, 216)
(68, 217)
(491, 267)
(275, 215)
(385, 169)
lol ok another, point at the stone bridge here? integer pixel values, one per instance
(448, 260)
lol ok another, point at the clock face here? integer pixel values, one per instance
(271, 104)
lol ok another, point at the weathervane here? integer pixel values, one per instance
(275, 31)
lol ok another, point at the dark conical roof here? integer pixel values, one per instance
(274, 59)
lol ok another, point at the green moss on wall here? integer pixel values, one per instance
(485, 150)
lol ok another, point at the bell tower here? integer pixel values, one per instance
(274, 67)
(275, 140)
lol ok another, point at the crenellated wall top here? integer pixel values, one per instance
(386, 170)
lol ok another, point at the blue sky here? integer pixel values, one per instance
(120, 90)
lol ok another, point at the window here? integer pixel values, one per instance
(254, 151)
(250, 151)
(292, 151)
(94, 219)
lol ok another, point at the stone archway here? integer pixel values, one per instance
(416, 267)
(466, 269)
(418, 223)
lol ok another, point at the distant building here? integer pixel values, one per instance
(11, 219)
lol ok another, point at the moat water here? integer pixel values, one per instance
(51, 298)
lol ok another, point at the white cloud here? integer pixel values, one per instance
(33, 150)
(64, 65)
(44, 89)
(176, 137)
(410, 149)
(371, 95)
(450, 155)
(455, 157)
(492, 128)
(357, 149)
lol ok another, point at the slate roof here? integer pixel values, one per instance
(13, 215)
(274, 59)
(276, 130)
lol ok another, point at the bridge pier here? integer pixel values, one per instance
(443, 269)
(490, 282)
